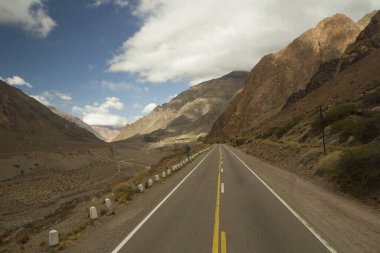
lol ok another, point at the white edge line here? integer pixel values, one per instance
(131, 234)
(222, 188)
(323, 241)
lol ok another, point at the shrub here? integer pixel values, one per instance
(358, 170)
(334, 114)
(363, 129)
(270, 132)
(124, 192)
(286, 128)
(239, 141)
(281, 131)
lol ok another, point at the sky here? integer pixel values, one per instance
(111, 62)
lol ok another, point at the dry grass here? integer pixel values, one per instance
(326, 166)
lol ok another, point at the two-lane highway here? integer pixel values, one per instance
(222, 206)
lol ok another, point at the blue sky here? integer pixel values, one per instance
(106, 60)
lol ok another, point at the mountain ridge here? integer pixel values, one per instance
(192, 112)
(278, 75)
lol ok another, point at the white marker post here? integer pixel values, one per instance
(108, 204)
(93, 213)
(163, 174)
(168, 172)
(150, 182)
(140, 187)
(53, 238)
(157, 178)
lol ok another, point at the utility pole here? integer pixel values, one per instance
(322, 129)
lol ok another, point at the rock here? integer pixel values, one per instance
(22, 235)
(277, 76)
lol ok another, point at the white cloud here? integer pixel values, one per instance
(16, 81)
(198, 40)
(63, 96)
(100, 114)
(42, 99)
(149, 107)
(119, 3)
(48, 97)
(30, 15)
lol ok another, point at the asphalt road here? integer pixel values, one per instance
(222, 206)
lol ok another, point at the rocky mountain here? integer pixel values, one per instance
(191, 113)
(364, 21)
(107, 133)
(279, 75)
(26, 124)
(77, 121)
(351, 77)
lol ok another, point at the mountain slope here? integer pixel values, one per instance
(354, 77)
(106, 133)
(279, 75)
(192, 112)
(26, 124)
(77, 121)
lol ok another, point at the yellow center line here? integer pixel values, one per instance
(215, 241)
(223, 242)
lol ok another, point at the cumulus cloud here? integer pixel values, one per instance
(63, 96)
(100, 114)
(42, 99)
(149, 107)
(196, 40)
(30, 15)
(16, 81)
(119, 3)
(49, 97)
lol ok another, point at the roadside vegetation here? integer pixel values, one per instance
(358, 171)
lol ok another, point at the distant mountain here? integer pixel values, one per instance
(26, 124)
(191, 113)
(277, 76)
(76, 121)
(107, 133)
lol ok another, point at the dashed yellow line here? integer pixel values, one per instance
(215, 241)
(223, 242)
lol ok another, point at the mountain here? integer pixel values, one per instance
(107, 133)
(352, 77)
(364, 21)
(279, 75)
(26, 124)
(77, 121)
(191, 113)
(347, 89)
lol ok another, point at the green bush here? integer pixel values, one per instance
(281, 131)
(240, 141)
(270, 132)
(364, 130)
(358, 170)
(286, 128)
(124, 192)
(335, 114)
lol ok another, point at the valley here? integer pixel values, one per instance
(282, 158)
